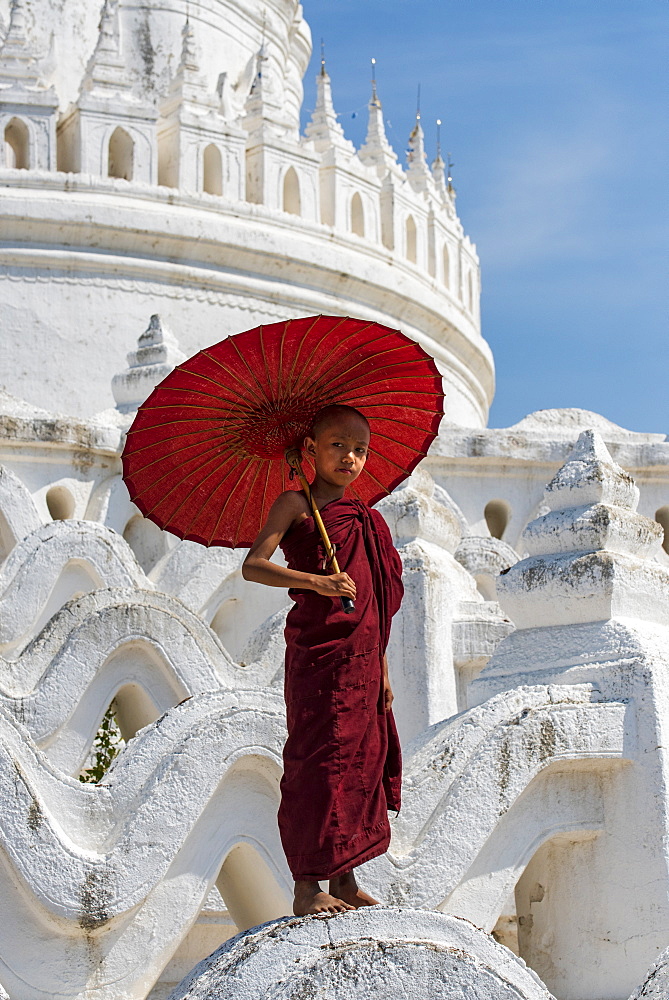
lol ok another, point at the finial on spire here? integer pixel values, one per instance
(376, 150)
(449, 176)
(418, 170)
(438, 165)
(324, 128)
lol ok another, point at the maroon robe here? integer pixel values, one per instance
(342, 759)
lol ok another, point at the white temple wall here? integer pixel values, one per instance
(230, 36)
(236, 272)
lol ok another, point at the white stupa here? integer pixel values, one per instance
(156, 195)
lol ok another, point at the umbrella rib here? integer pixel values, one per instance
(390, 373)
(281, 372)
(225, 505)
(366, 360)
(198, 485)
(230, 372)
(174, 437)
(391, 461)
(401, 423)
(316, 377)
(378, 483)
(201, 392)
(386, 394)
(320, 374)
(246, 503)
(378, 334)
(268, 374)
(170, 472)
(396, 420)
(263, 395)
(290, 387)
(175, 451)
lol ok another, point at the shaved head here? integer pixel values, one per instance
(332, 414)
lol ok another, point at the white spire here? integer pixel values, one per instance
(438, 165)
(377, 151)
(157, 354)
(324, 129)
(18, 66)
(418, 172)
(188, 84)
(106, 73)
(255, 109)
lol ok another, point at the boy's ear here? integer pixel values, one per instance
(309, 446)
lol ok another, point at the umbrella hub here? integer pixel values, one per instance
(269, 431)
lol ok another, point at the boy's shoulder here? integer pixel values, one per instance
(293, 501)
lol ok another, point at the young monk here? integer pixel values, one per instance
(342, 760)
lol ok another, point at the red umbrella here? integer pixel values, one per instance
(205, 456)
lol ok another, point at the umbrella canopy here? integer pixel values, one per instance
(204, 457)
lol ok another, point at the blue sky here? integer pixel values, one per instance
(555, 112)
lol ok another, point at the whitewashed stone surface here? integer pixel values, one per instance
(656, 986)
(369, 953)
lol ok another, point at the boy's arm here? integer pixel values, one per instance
(388, 696)
(258, 567)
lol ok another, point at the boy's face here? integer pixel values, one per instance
(339, 450)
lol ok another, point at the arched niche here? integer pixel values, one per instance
(7, 539)
(662, 518)
(121, 155)
(357, 215)
(146, 540)
(497, 515)
(17, 144)
(446, 266)
(410, 239)
(60, 503)
(249, 888)
(212, 170)
(134, 708)
(224, 621)
(292, 201)
(549, 919)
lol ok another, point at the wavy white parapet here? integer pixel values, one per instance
(122, 868)
(52, 564)
(104, 881)
(18, 513)
(366, 954)
(460, 842)
(113, 640)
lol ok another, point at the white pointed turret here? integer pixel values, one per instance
(106, 74)
(324, 129)
(199, 146)
(111, 129)
(24, 96)
(18, 65)
(377, 151)
(417, 172)
(256, 111)
(156, 355)
(189, 85)
(438, 165)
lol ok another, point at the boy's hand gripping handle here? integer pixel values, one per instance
(293, 457)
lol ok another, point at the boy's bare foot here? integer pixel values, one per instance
(309, 898)
(345, 887)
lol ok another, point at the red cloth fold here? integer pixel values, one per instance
(342, 758)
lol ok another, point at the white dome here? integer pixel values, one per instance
(156, 166)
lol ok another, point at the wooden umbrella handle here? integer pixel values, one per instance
(294, 459)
